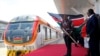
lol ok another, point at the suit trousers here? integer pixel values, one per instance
(94, 46)
(68, 42)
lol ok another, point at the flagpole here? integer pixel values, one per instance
(69, 36)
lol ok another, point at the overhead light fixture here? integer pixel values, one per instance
(97, 0)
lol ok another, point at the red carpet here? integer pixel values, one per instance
(57, 50)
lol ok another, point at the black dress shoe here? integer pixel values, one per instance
(76, 45)
(67, 55)
(87, 55)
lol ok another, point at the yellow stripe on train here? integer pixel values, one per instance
(17, 52)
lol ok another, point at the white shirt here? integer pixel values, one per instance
(90, 16)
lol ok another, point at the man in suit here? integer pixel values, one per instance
(92, 32)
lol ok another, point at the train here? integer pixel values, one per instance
(27, 33)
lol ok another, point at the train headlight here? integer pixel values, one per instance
(28, 38)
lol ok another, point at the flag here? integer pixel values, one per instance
(77, 20)
(56, 17)
(83, 31)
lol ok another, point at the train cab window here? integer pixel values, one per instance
(39, 28)
(27, 26)
(13, 26)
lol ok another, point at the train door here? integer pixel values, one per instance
(37, 42)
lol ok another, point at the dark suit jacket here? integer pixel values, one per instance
(92, 26)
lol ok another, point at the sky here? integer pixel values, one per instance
(12, 8)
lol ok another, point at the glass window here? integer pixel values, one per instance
(26, 26)
(39, 28)
(19, 32)
(22, 25)
(50, 33)
(13, 26)
(0, 36)
(45, 28)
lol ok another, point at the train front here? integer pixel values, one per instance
(19, 35)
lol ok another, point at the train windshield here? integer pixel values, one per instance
(19, 32)
(24, 25)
